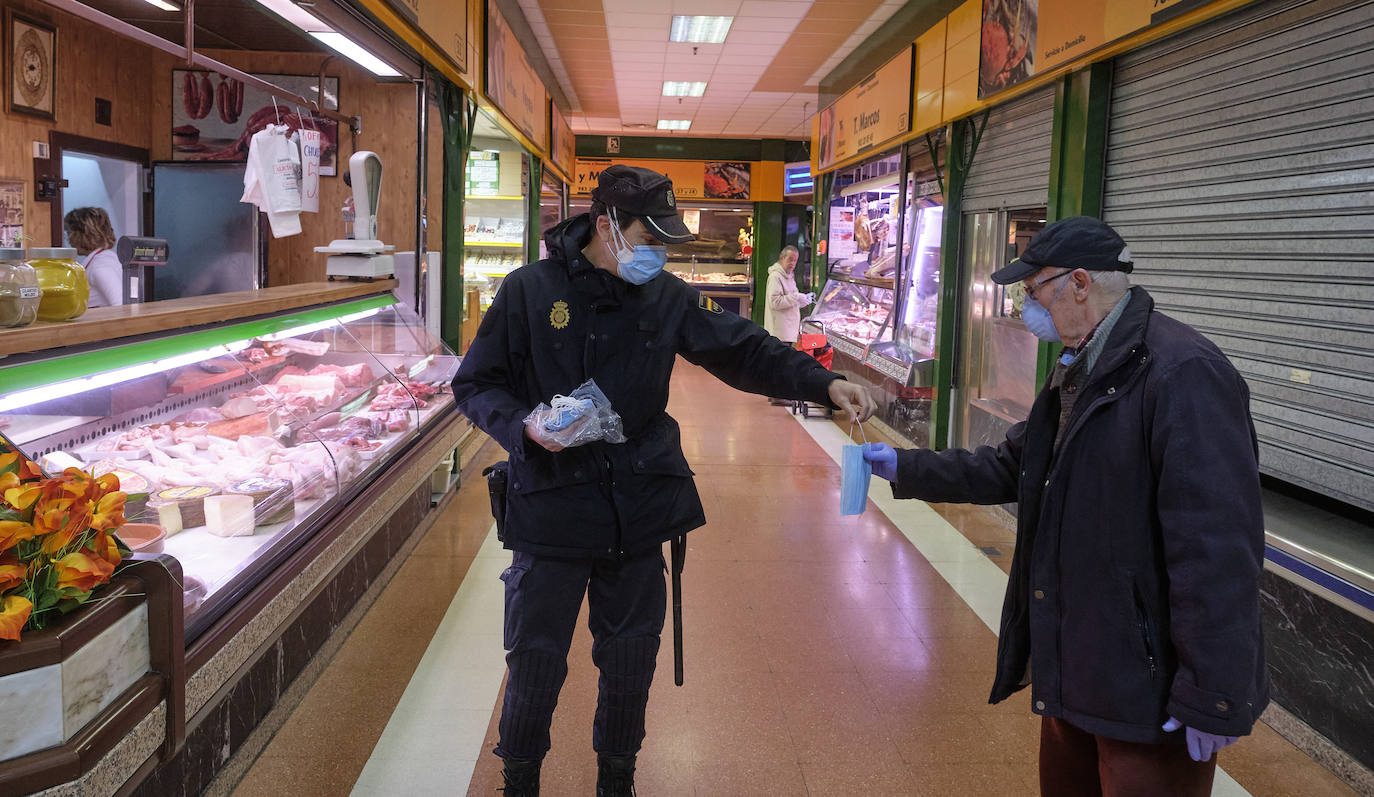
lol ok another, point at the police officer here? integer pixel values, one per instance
(592, 519)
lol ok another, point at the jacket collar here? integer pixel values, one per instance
(1129, 333)
(565, 241)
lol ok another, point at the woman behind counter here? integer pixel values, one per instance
(90, 231)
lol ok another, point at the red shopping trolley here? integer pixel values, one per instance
(817, 346)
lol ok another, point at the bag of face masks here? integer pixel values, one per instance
(583, 416)
(854, 475)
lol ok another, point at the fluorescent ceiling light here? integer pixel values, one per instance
(165, 6)
(354, 52)
(294, 14)
(682, 88)
(674, 124)
(703, 30)
(331, 38)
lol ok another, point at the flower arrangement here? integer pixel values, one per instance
(57, 541)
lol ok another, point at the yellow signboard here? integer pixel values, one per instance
(1022, 38)
(443, 22)
(562, 145)
(868, 115)
(691, 179)
(512, 84)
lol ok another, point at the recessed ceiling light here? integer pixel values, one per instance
(703, 30)
(682, 88)
(165, 6)
(674, 124)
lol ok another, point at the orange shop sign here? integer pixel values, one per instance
(691, 179)
(868, 115)
(512, 84)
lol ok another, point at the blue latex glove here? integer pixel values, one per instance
(883, 458)
(1201, 744)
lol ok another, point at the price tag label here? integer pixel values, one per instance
(30, 293)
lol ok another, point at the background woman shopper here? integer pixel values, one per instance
(90, 231)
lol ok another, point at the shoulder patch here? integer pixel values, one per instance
(709, 305)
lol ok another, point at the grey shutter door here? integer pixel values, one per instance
(1240, 170)
(1011, 168)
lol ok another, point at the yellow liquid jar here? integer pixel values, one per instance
(63, 280)
(19, 291)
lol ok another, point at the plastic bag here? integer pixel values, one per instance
(581, 417)
(854, 476)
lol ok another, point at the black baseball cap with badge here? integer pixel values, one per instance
(646, 195)
(1076, 242)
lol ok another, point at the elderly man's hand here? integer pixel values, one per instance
(852, 399)
(1201, 744)
(883, 459)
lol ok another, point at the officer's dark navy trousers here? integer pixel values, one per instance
(626, 599)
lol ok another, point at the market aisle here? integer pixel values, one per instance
(825, 655)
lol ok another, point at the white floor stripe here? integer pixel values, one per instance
(432, 742)
(978, 581)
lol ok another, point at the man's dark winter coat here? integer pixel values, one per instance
(1133, 593)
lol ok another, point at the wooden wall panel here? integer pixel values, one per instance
(389, 128)
(89, 65)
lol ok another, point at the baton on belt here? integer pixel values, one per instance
(679, 552)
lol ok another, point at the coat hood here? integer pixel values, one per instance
(568, 237)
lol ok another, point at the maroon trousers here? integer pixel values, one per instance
(1075, 763)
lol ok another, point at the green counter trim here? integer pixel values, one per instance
(79, 366)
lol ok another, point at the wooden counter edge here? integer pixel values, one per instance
(112, 323)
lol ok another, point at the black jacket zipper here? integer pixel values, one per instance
(1145, 633)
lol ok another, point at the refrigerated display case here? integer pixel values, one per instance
(239, 440)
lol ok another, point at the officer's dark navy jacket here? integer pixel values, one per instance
(555, 324)
(1133, 593)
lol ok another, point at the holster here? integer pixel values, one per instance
(498, 476)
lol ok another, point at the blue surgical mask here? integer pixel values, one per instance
(636, 264)
(1038, 319)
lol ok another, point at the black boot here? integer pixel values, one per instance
(615, 776)
(521, 776)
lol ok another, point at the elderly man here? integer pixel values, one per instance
(1132, 609)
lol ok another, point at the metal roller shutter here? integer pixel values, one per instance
(1011, 168)
(1240, 170)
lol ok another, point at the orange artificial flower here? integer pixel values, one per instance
(8, 481)
(12, 572)
(13, 532)
(107, 549)
(29, 471)
(82, 572)
(14, 612)
(9, 460)
(21, 498)
(109, 513)
(62, 521)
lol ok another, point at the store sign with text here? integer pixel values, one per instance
(1022, 38)
(691, 179)
(562, 145)
(512, 84)
(441, 21)
(868, 115)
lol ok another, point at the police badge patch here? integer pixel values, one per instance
(708, 304)
(559, 315)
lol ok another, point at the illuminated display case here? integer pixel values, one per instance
(236, 441)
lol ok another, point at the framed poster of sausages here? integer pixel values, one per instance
(214, 117)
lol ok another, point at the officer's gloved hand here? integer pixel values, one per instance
(883, 458)
(1201, 744)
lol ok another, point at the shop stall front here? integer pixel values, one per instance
(281, 436)
(881, 301)
(495, 217)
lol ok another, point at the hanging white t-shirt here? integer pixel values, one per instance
(106, 276)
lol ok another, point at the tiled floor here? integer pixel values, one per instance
(824, 655)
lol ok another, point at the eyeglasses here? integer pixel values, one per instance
(1031, 289)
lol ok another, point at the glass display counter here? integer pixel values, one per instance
(235, 441)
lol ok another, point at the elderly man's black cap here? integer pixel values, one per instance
(1075, 242)
(645, 194)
